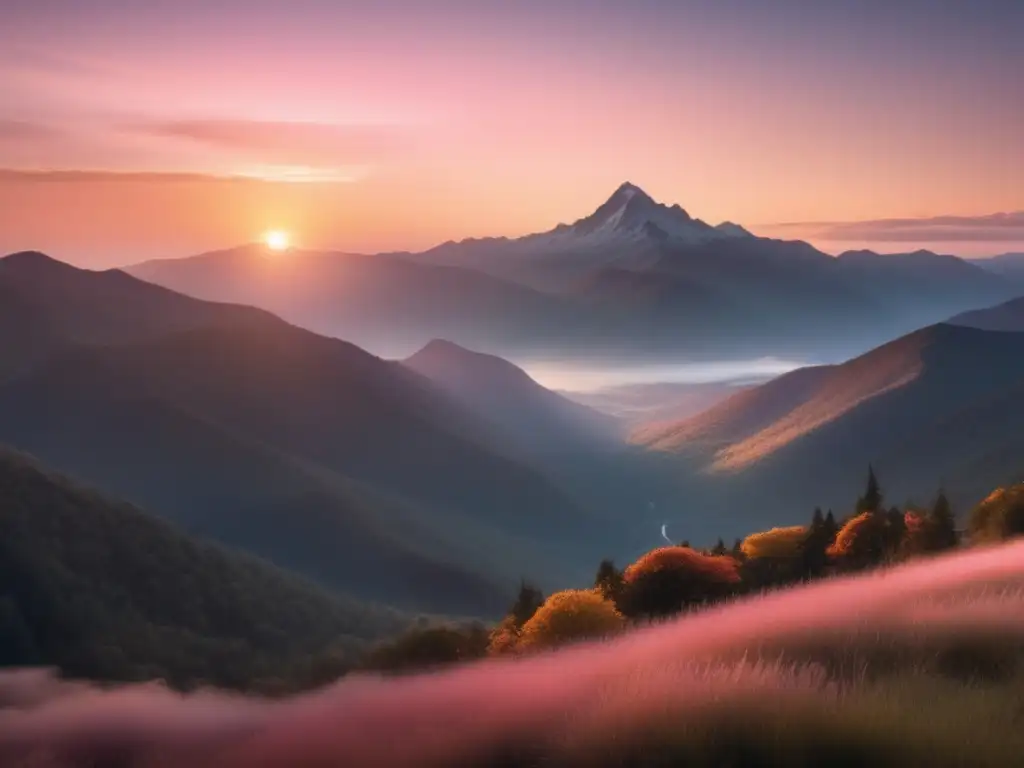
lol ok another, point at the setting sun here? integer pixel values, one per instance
(276, 240)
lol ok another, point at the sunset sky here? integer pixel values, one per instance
(133, 129)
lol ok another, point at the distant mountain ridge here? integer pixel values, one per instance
(634, 279)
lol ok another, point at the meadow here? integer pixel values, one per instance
(918, 664)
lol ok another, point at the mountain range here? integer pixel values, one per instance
(933, 408)
(306, 450)
(634, 279)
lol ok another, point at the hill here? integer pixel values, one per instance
(315, 454)
(793, 439)
(1008, 316)
(102, 590)
(526, 415)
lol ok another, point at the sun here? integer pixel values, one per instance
(276, 240)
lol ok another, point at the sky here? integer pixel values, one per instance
(133, 129)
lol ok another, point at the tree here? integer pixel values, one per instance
(814, 547)
(831, 527)
(427, 648)
(668, 579)
(872, 499)
(737, 549)
(998, 517)
(570, 616)
(527, 602)
(719, 549)
(943, 523)
(861, 542)
(608, 580)
(775, 544)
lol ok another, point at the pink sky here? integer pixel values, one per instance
(398, 128)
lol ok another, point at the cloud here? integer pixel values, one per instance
(294, 144)
(996, 227)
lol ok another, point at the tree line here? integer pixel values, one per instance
(671, 579)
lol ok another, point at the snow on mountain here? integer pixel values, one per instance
(629, 218)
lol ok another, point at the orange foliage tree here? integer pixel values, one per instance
(570, 616)
(777, 543)
(998, 517)
(861, 542)
(666, 580)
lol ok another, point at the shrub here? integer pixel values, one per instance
(666, 580)
(430, 647)
(570, 616)
(999, 517)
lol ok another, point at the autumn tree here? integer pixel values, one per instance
(998, 517)
(570, 616)
(668, 579)
(861, 542)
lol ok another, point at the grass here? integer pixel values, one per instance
(921, 666)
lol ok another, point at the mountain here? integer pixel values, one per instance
(102, 590)
(46, 305)
(913, 284)
(1008, 316)
(386, 302)
(1009, 265)
(307, 450)
(934, 407)
(633, 280)
(526, 414)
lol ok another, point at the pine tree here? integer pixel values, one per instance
(943, 524)
(813, 550)
(719, 548)
(831, 527)
(527, 602)
(872, 499)
(737, 549)
(608, 580)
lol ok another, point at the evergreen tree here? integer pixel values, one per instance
(608, 580)
(813, 550)
(943, 524)
(527, 602)
(719, 548)
(831, 527)
(685, 543)
(737, 549)
(872, 499)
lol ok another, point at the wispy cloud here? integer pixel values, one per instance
(294, 144)
(996, 227)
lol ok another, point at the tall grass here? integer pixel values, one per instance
(918, 665)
